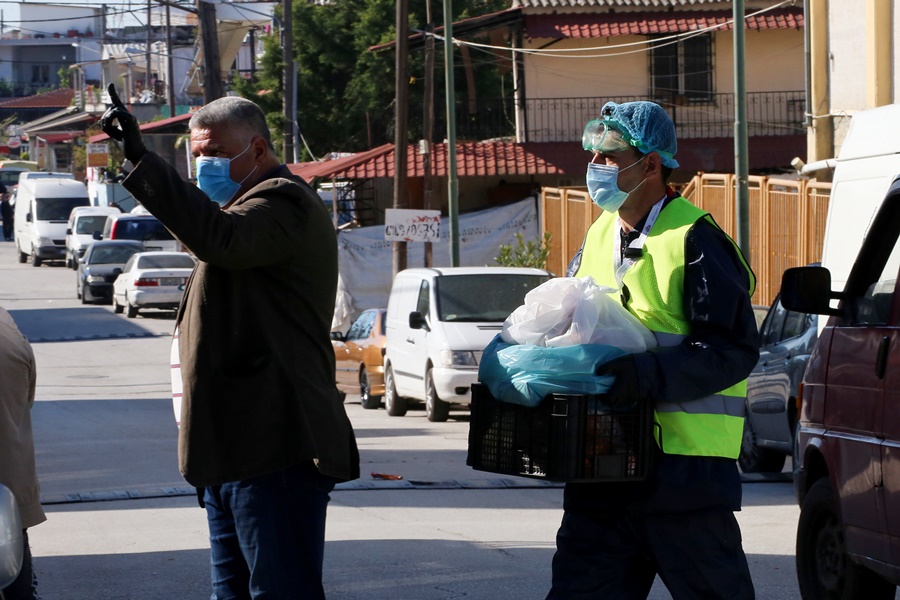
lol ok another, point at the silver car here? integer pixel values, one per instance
(786, 341)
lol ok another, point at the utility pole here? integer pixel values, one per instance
(428, 120)
(452, 179)
(209, 36)
(149, 38)
(401, 115)
(287, 59)
(741, 145)
(170, 89)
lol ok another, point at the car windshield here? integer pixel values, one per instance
(58, 209)
(482, 297)
(90, 223)
(142, 230)
(170, 261)
(111, 255)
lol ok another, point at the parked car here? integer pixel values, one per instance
(786, 341)
(359, 357)
(84, 222)
(101, 264)
(847, 467)
(438, 323)
(143, 228)
(151, 280)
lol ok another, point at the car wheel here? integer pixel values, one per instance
(23, 258)
(394, 404)
(753, 458)
(78, 289)
(35, 261)
(68, 261)
(131, 310)
(436, 409)
(824, 570)
(83, 296)
(366, 399)
(117, 308)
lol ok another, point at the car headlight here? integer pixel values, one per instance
(45, 242)
(96, 278)
(456, 358)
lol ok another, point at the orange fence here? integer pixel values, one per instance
(787, 222)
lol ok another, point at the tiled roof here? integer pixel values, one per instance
(152, 125)
(615, 3)
(594, 25)
(60, 98)
(472, 159)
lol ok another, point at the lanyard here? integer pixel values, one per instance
(622, 266)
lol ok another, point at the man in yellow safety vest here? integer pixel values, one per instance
(688, 282)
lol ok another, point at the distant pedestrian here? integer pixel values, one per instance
(6, 213)
(263, 435)
(17, 466)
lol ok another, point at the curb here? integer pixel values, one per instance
(363, 485)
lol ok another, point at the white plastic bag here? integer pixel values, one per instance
(567, 311)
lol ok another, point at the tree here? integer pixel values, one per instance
(345, 92)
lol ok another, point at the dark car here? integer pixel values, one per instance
(786, 341)
(98, 269)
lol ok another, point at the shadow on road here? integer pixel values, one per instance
(76, 324)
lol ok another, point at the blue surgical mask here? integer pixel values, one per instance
(603, 185)
(214, 178)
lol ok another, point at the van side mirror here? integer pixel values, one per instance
(11, 542)
(808, 289)
(417, 321)
(69, 231)
(97, 236)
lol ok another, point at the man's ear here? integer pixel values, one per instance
(258, 148)
(653, 164)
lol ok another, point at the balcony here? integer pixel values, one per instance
(563, 119)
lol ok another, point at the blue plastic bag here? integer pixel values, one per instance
(524, 374)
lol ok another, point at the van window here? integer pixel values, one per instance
(424, 300)
(89, 224)
(476, 298)
(58, 209)
(142, 230)
(875, 306)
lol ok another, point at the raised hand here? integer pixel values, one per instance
(120, 125)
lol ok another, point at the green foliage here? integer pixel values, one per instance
(525, 254)
(345, 92)
(24, 156)
(65, 77)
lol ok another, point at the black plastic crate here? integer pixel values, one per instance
(569, 437)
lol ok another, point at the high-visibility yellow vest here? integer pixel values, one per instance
(710, 426)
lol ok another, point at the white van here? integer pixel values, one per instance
(42, 214)
(868, 162)
(438, 323)
(84, 222)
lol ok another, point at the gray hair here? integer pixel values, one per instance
(233, 112)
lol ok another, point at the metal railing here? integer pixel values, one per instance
(768, 113)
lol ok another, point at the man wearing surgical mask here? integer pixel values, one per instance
(263, 433)
(687, 281)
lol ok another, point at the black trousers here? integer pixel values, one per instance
(617, 555)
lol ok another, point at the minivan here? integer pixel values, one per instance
(141, 227)
(84, 222)
(439, 321)
(42, 214)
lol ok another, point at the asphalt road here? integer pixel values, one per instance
(122, 523)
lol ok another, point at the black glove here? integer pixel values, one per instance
(126, 131)
(624, 390)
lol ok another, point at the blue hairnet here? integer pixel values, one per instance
(648, 125)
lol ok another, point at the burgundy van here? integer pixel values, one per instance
(847, 468)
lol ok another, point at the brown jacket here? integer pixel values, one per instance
(17, 382)
(256, 357)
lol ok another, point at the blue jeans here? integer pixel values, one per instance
(267, 535)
